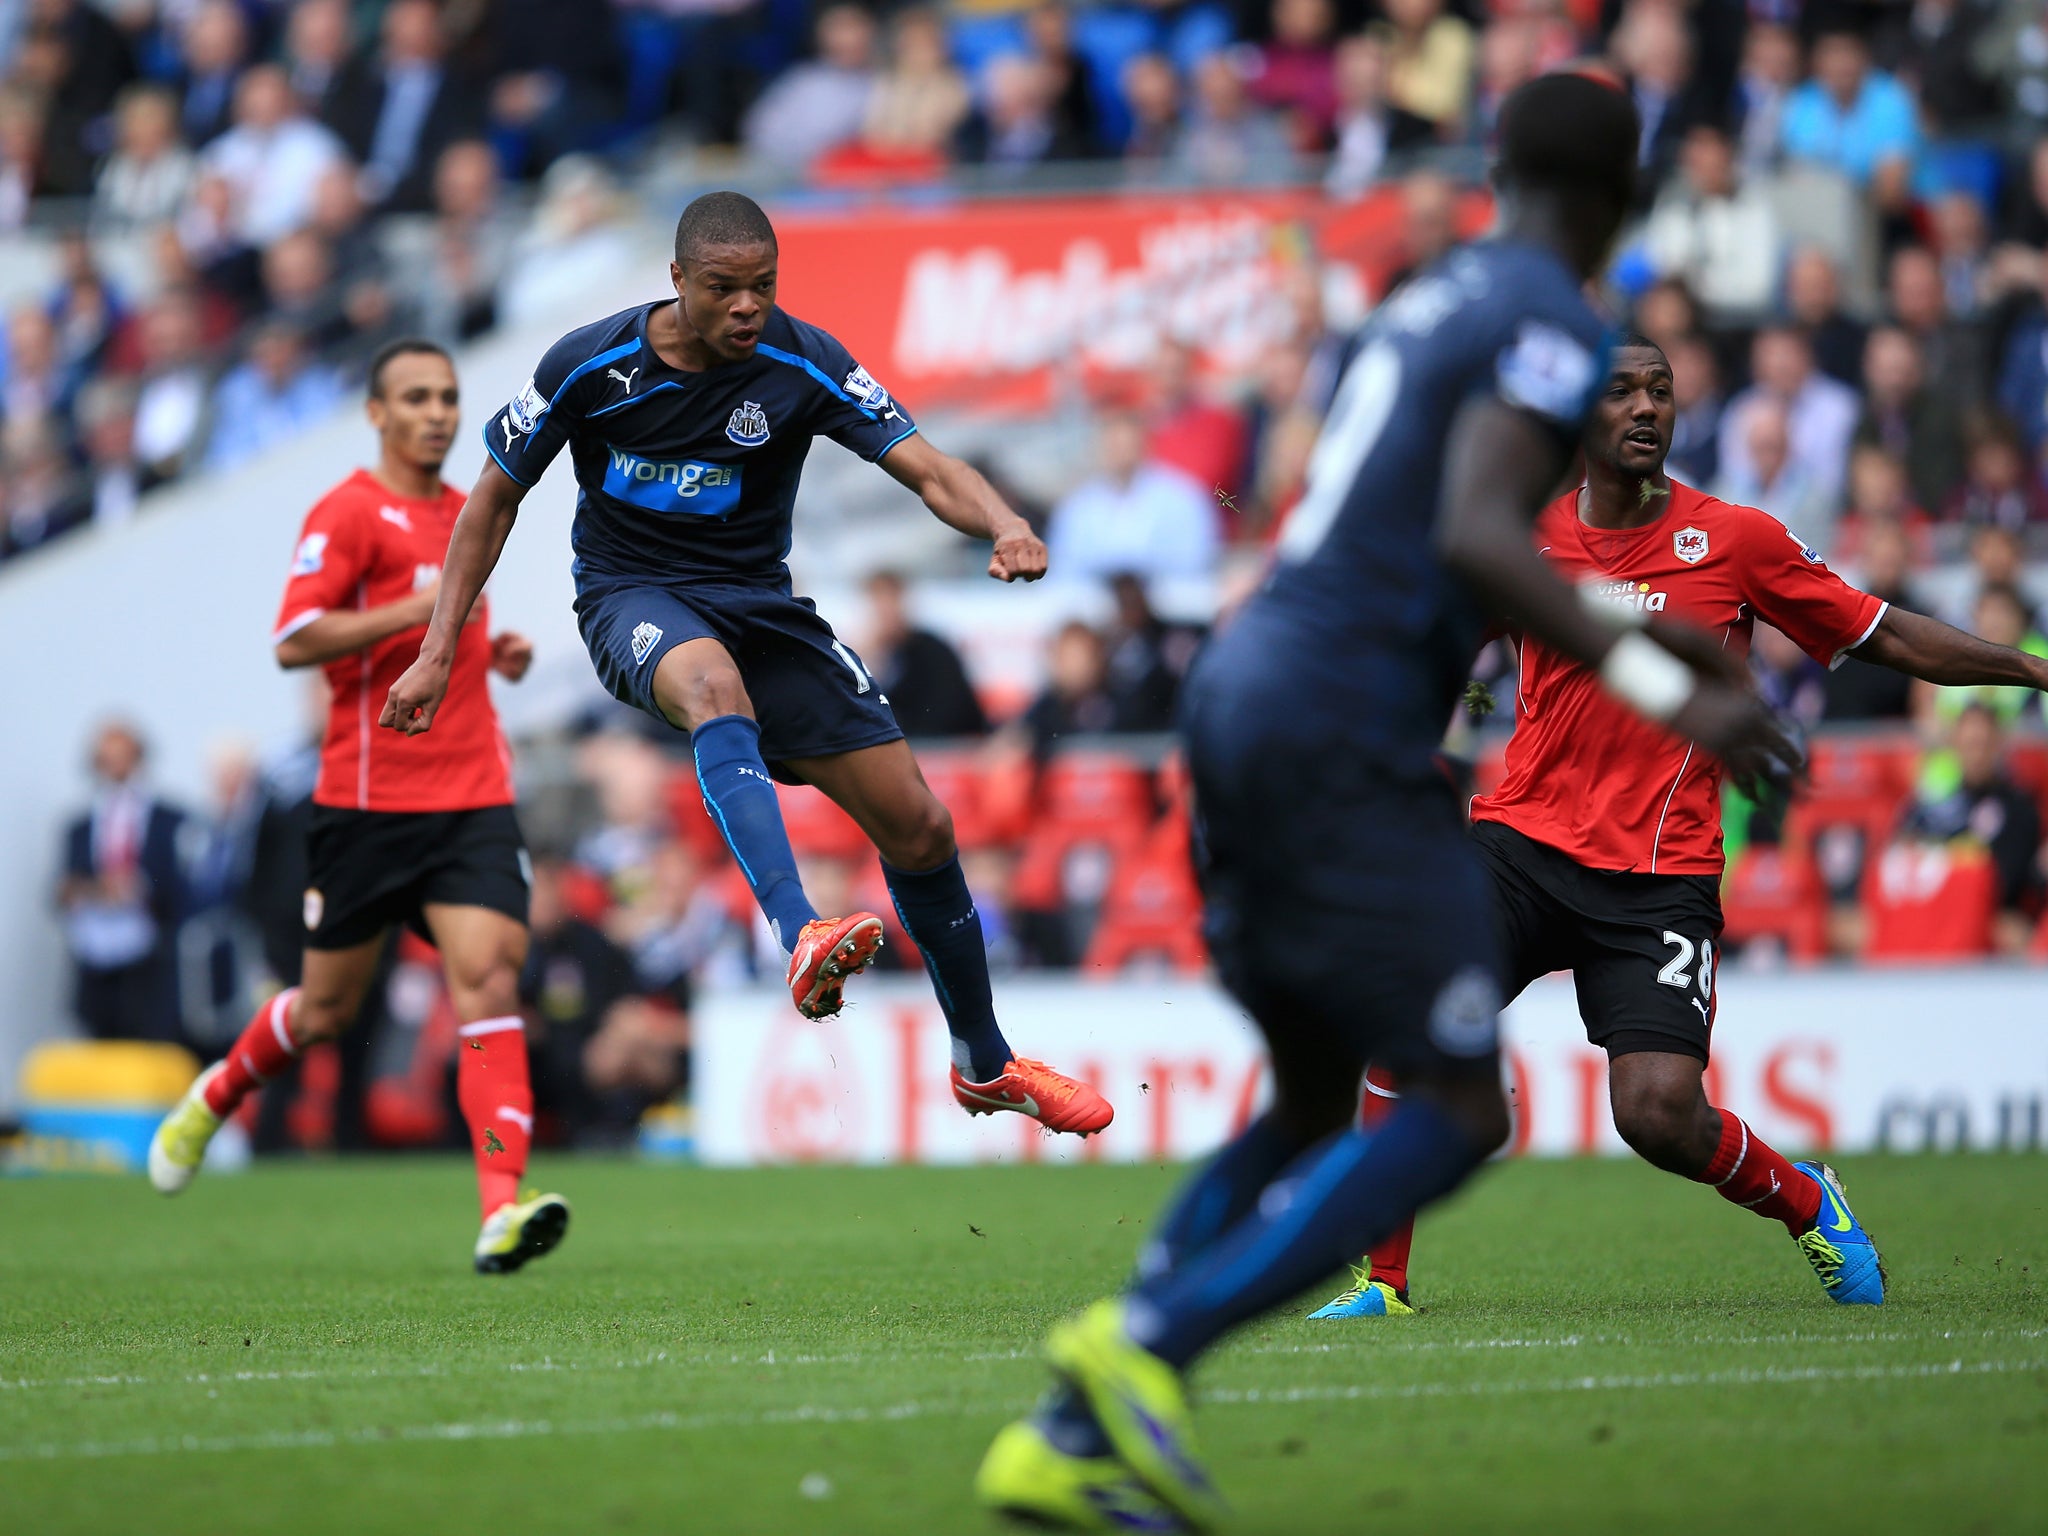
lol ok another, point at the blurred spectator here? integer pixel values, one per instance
(213, 48)
(1187, 431)
(1017, 122)
(820, 104)
(34, 383)
(1721, 238)
(171, 405)
(556, 80)
(1655, 53)
(1879, 494)
(298, 290)
(1764, 86)
(2026, 213)
(1999, 487)
(278, 393)
(456, 292)
(1148, 658)
(398, 112)
(150, 174)
(106, 425)
(121, 893)
(920, 100)
(572, 248)
(1855, 119)
(1077, 700)
(1666, 312)
(1228, 136)
(1509, 54)
(1152, 92)
(21, 156)
(919, 672)
(1819, 412)
(1962, 247)
(1813, 302)
(678, 928)
(1133, 515)
(317, 45)
(1858, 689)
(1430, 61)
(2023, 379)
(601, 1051)
(1976, 798)
(44, 495)
(1901, 414)
(1953, 349)
(270, 160)
(2014, 51)
(1790, 681)
(75, 59)
(1429, 223)
(1997, 558)
(2002, 615)
(1936, 53)
(1695, 455)
(1768, 474)
(1076, 116)
(1368, 126)
(1295, 71)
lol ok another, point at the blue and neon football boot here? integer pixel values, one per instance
(1838, 1248)
(1366, 1298)
(1027, 1477)
(1141, 1405)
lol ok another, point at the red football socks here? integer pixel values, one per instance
(263, 1050)
(1748, 1172)
(492, 1087)
(1389, 1259)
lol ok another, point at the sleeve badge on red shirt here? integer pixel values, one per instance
(1690, 545)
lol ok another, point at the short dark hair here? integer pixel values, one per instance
(1631, 339)
(720, 218)
(402, 347)
(1570, 132)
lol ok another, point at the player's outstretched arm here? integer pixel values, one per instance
(480, 533)
(1935, 652)
(960, 496)
(1501, 465)
(344, 633)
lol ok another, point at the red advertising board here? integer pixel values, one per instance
(1007, 301)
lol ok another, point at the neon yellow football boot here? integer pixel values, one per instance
(1139, 1401)
(179, 1145)
(1027, 1477)
(520, 1230)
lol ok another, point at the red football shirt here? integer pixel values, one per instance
(363, 546)
(1591, 778)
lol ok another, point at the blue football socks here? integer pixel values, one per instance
(1213, 1201)
(741, 798)
(1330, 1204)
(938, 913)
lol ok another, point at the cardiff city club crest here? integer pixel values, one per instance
(1690, 545)
(748, 426)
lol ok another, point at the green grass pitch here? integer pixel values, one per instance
(304, 1350)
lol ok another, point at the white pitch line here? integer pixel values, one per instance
(1365, 1343)
(520, 1429)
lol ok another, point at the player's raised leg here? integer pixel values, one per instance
(881, 788)
(698, 688)
(326, 1001)
(1661, 1110)
(481, 953)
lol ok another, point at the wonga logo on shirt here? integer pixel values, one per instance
(677, 487)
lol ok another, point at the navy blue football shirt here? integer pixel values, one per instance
(1361, 638)
(685, 476)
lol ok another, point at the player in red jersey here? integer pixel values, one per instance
(1603, 840)
(412, 829)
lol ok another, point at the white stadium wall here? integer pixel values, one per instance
(1824, 1060)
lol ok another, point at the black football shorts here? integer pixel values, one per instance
(367, 870)
(1642, 949)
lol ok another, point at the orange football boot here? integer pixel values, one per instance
(1032, 1088)
(829, 950)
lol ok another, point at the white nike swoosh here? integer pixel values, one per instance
(1023, 1103)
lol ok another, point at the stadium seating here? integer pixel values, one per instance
(1930, 902)
(1772, 894)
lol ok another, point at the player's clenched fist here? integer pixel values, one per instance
(1019, 554)
(414, 698)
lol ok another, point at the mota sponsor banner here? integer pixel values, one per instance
(1844, 1060)
(1006, 301)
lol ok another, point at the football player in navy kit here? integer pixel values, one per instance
(1344, 902)
(687, 421)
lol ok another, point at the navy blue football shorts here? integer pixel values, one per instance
(811, 693)
(1344, 905)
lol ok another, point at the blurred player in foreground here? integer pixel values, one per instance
(688, 421)
(416, 830)
(1345, 904)
(1603, 842)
